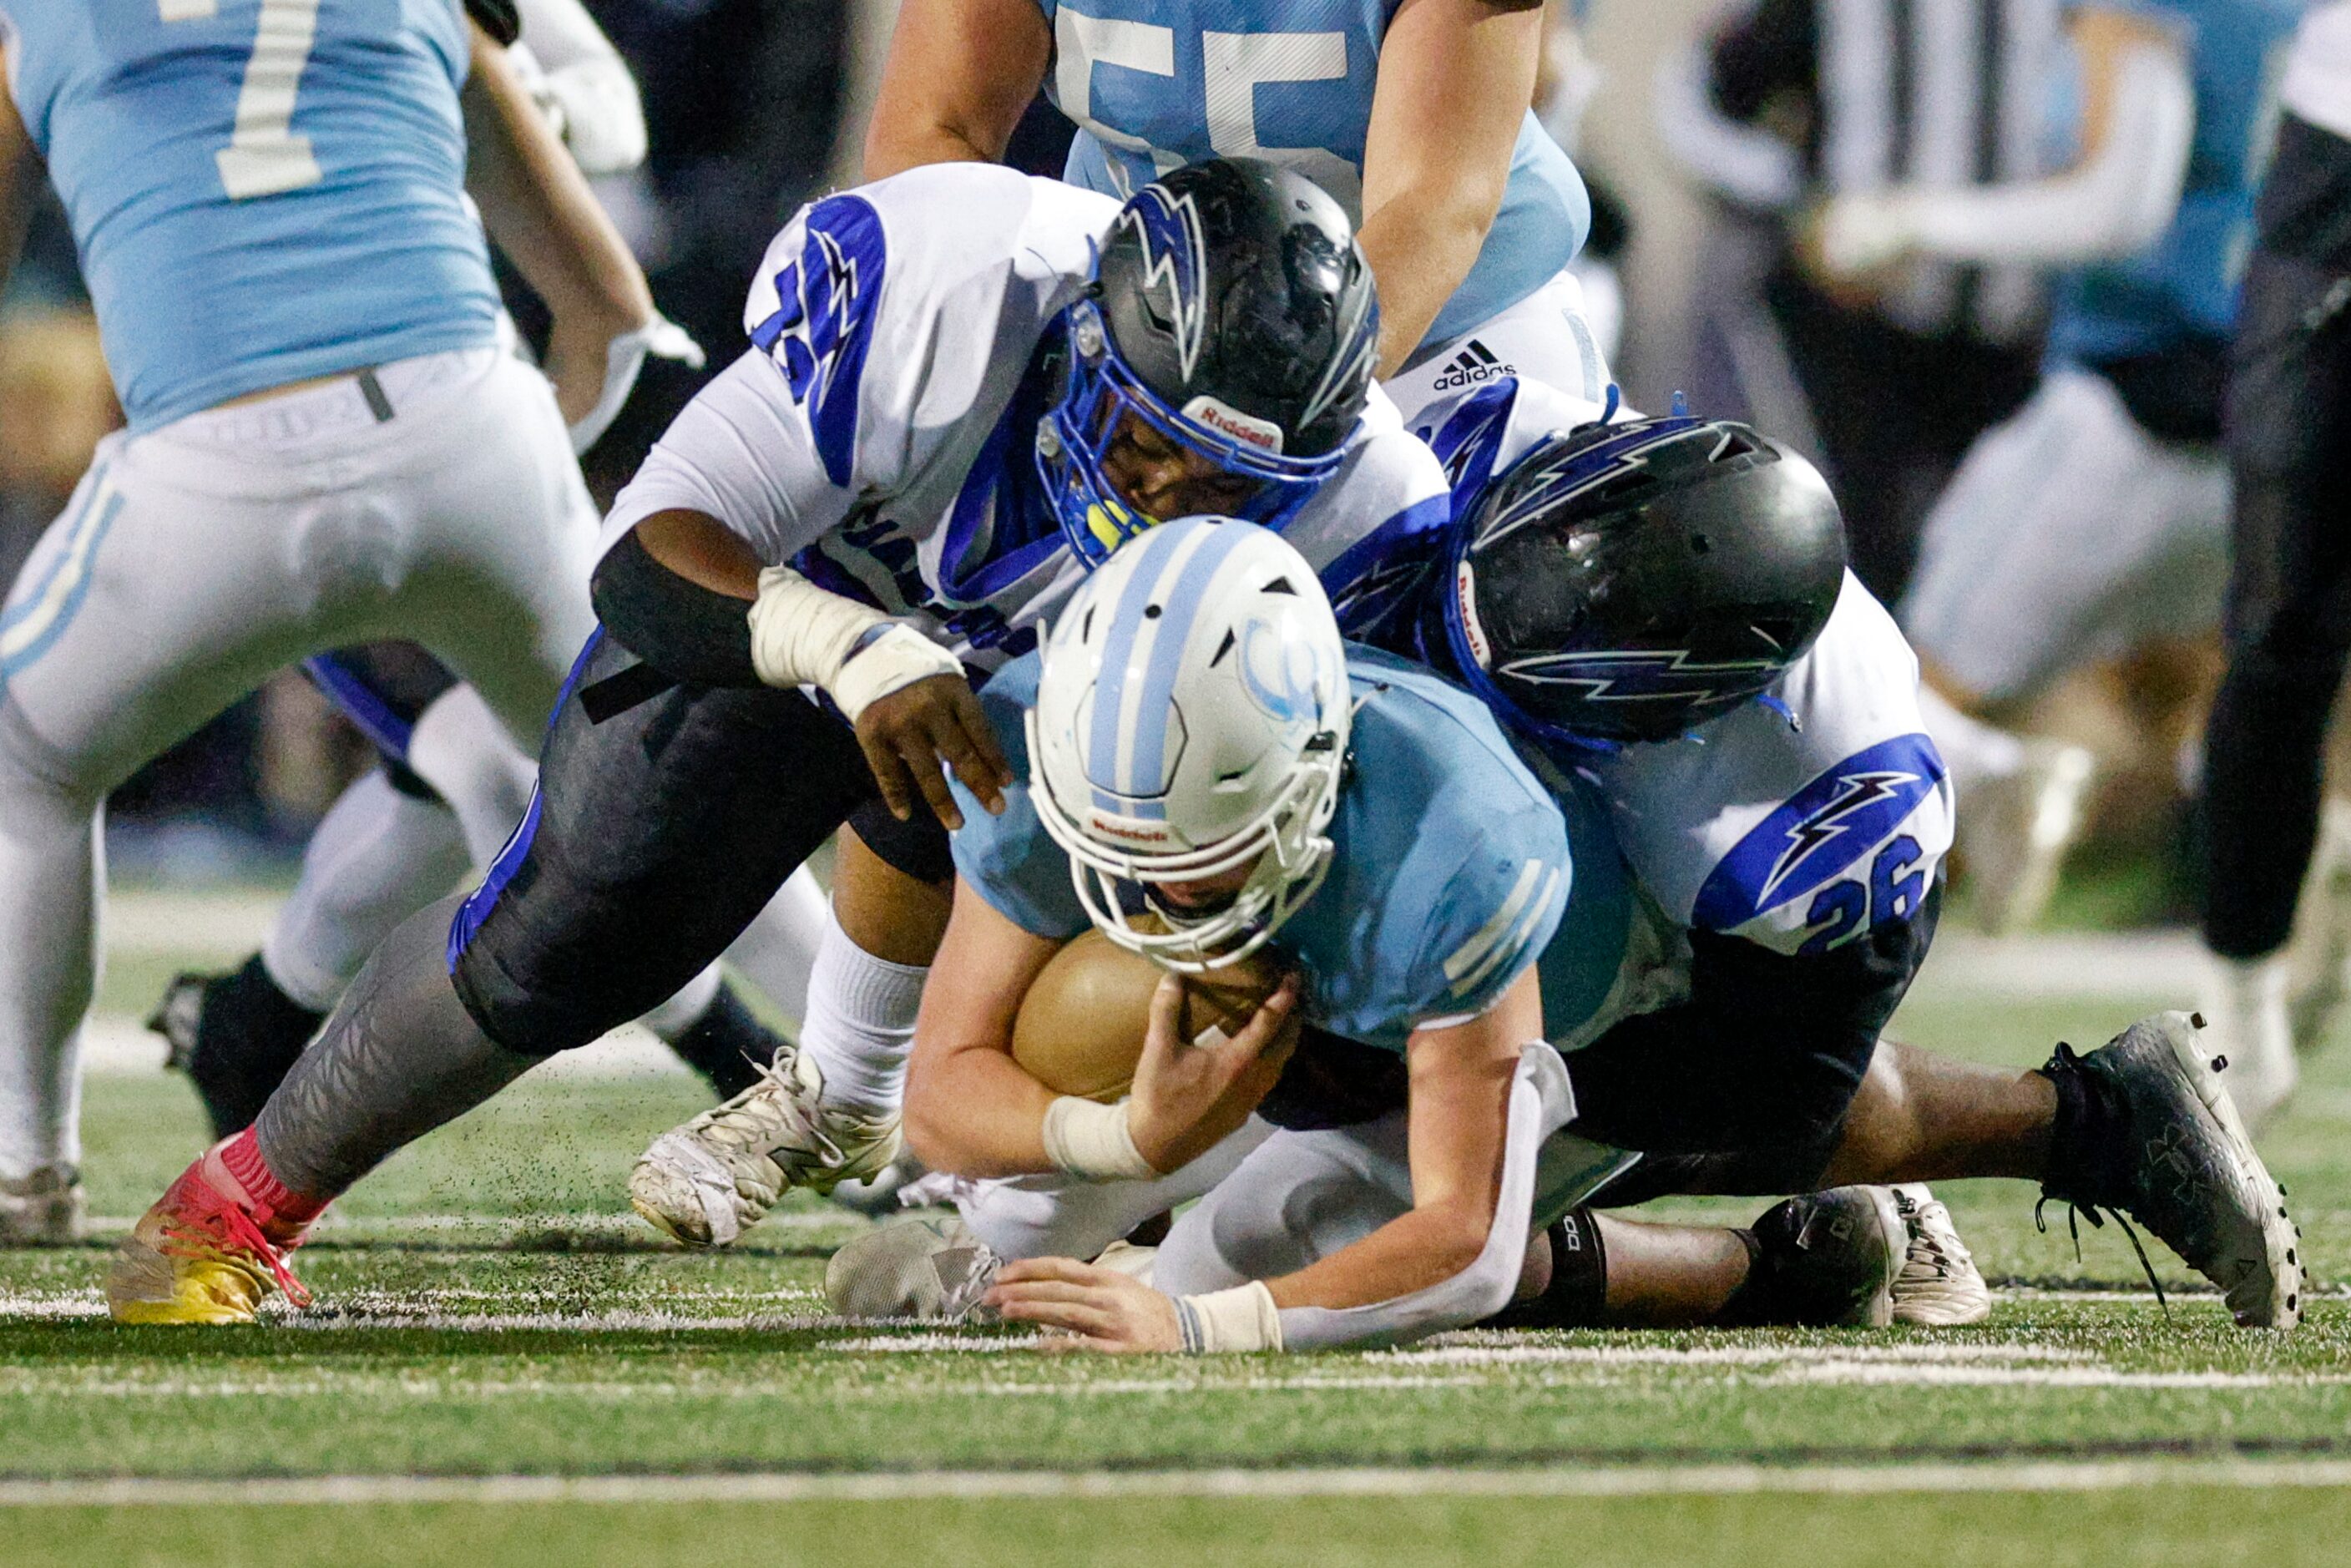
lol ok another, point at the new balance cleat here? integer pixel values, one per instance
(1937, 1284)
(2145, 1129)
(202, 1254)
(931, 1269)
(42, 1207)
(1828, 1260)
(705, 1183)
(2015, 829)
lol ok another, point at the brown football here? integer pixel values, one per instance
(1080, 1027)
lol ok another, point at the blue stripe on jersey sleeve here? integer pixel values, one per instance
(1819, 832)
(822, 325)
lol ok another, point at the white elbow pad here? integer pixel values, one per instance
(803, 636)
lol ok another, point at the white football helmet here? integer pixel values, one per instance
(1191, 719)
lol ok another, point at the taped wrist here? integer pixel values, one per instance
(680, 628)
(1241, 1319)
(1092, 1141)
(802, 635)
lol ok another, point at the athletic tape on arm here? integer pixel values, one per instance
(1092, 1141)
(802, 636)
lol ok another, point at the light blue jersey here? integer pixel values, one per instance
(1451, 871)
(1153, 85)
(261, 191)
(2185, 285)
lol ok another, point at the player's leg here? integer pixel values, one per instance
(2289, 619)
(172, 584)
(653, 839)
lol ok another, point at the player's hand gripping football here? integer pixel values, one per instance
(1189, 1095)
(909, 733)
(1100, 1309)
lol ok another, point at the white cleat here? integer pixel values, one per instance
(2015, 829)
(1938, 1284)
(931, 1270)
(705, 1183)
(42, 1207)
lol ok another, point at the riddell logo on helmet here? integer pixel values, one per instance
(1233, 425)
(1465, 599)
(1471, 366)
(1123, 828)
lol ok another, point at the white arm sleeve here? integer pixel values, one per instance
(605, 119)
(2114, 203)
(1541, 1104)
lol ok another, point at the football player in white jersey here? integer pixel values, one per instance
(962, 384)
(325, 442)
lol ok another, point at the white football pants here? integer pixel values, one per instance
(193, 561)
(1546, 337)
(2068, 535)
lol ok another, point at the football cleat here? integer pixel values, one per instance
(236, 1035)
(931, 1270)
(882, 1194)
(2016, 828)
(2157, 1140)
(1937, 1284)
(42, 1207)
(199, 1256)
(705, 1183)
(1828, 1260)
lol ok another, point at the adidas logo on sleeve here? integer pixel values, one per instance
(1472, 365)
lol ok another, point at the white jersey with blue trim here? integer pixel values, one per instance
(1153, 85)
(1449, 873)
(879, 434)
(262, 191)
(1798, 821)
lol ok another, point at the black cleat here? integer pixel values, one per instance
(1826, 1260)
(726, 1045)
(236, 1036)
(2145, 1129)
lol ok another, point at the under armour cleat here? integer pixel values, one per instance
(42, 1207)
(236, 1035)
(705, 1183)
(1937, 1284)
(2145, 1129)
(2015, 829)
(931, 1270)
(1828, 1260)
(200, 1256)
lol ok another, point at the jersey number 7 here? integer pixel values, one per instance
(264, 157)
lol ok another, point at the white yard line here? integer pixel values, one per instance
(1610, 1481)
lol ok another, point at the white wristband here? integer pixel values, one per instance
(803, 636)
(1243, 1318)
(1092, 1141)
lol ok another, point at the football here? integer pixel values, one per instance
(1081, 1025)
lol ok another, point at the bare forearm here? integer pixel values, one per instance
(974, 1113)
(959, 76)
(21, 179)
(1413, 1252)
(1419, 251)
(536, 205)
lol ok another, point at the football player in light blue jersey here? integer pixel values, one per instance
(2093, 520)
(327, 442)
(1414, 113)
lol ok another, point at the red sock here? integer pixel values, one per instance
(283, 1213)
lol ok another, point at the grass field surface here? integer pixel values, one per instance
(503, 1366)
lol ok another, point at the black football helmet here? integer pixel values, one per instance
(1231, 309)
(1625, 582)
